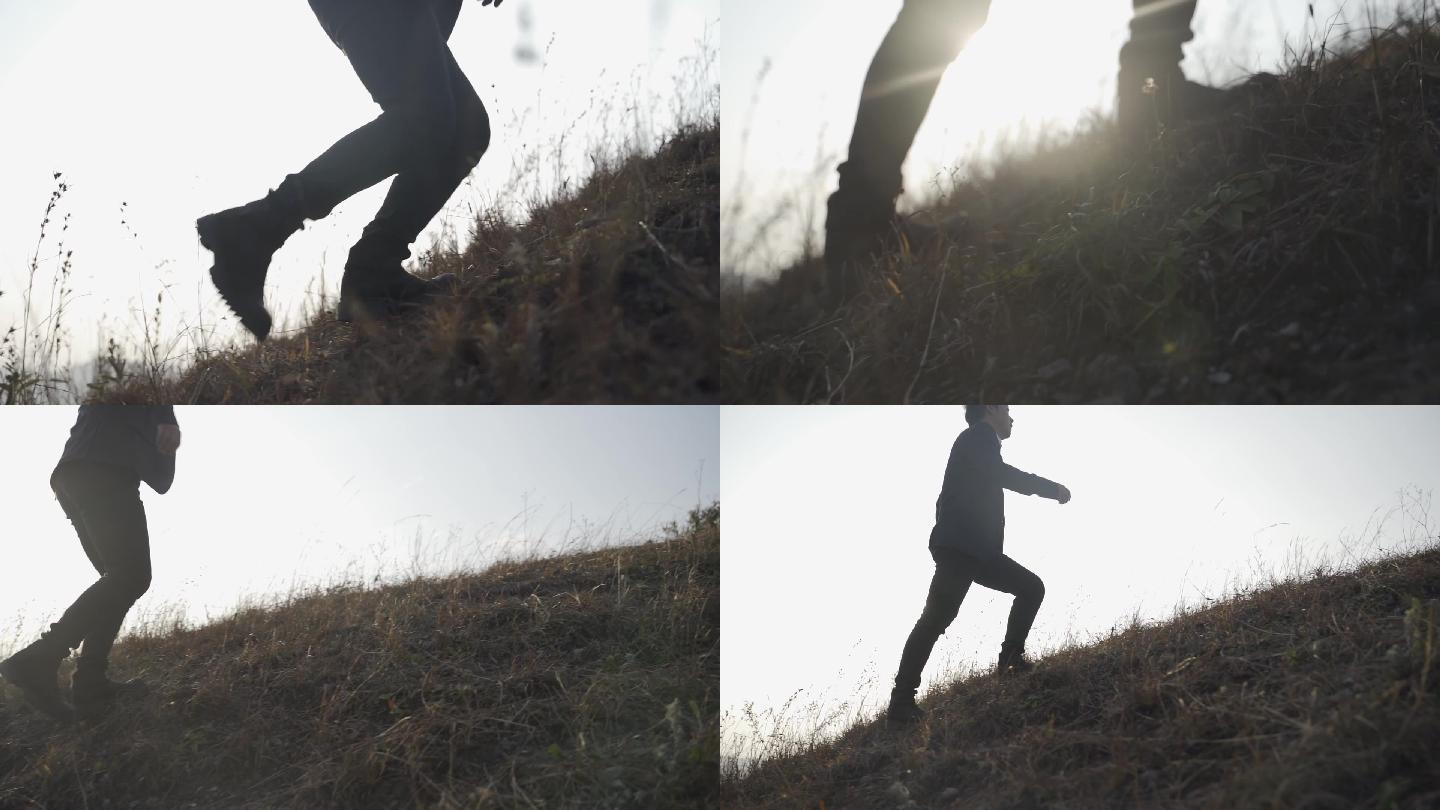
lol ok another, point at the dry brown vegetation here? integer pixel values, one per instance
(609, 294)
(1318, 693)
(588, 680)
(1285, 251)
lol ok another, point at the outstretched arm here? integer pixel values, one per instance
(167, 438)
(167, 431)
(1026, 483)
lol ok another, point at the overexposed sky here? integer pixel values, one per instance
(269, 497)
(792, 74)
(178, 108)
(828, 513)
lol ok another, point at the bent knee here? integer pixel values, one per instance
(431, 120)
(132, 585)
(473, 135)
(1037, 590)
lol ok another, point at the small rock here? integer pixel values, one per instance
(898, 792)
(949, 793)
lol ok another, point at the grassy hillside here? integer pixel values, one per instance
(588, 680)
(608, 294)
(1322, 693)
(1284, 251)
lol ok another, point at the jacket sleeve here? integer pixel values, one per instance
(164, 463)
(1027, 483)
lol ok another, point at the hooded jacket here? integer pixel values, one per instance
(970, 513)
(123, 436)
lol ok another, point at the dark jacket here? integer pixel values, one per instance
(970, 513)
(123, 436)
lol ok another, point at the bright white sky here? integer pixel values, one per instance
(828, 513)
(1037, 65)
(269, 497)
(132, 102)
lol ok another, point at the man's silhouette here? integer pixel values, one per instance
(112, 448)
(968, 545)
(923, 41)
(431, 132)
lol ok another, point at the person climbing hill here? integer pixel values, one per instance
(968, 546)
(111, 450)
(432, 131)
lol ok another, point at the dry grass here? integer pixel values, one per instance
(1283, 252)
(1310, 693)
(609, 294)
(588, 680)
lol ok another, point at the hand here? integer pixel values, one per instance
(1064, 494)
(495, 3)
(167, 438)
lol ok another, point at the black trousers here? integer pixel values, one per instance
(954, 572)
(925, 38)
(431, 132)
(103, 504)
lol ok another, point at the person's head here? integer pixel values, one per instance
(996, 416)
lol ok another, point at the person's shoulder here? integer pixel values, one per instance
(976, 437)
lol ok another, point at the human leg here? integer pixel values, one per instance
(374, 277)
(110, 521)
(103, 504)
(1151, 89)
(948, 586)
(398, 50)
(1007, 576)
(899, 86)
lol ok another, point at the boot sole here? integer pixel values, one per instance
(253, 317)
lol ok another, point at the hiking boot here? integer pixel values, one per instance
(903, 711)
(243, 239)
(389, 294)
(1151, 98)
(93, 695)
(1013, 661)
(33, 671)
(856, 235)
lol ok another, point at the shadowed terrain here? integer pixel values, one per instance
(1284, 250)
(586, 680)
(606, 294)
(1322, 692)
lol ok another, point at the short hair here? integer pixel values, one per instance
(975, 413)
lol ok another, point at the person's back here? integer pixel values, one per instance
(970, 510)
(123, 436)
